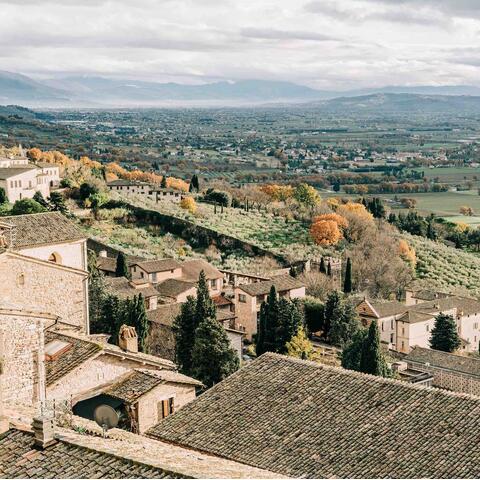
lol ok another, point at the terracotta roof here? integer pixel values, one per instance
(20, 459)
(162, 265)
(308, 420)
(173, 287)
(131, 388)
(109, 264)
(42, 228)
(191, 270)
(78, 353)
(164, 314)
(221, 300)
(449, 361)
(122, 287)
(281, 283)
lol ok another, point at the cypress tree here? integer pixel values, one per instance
(121, 269)
(138, 319)
(332, 309)
(57, 203)
(323, 269)
(290, 319)
(329, 269)
(347, 284)
(372, 360)
(38, 197)
(184, 326)
(111, 317)
(268, 322)
(3, 196)
(444, 334)
(352, 352)
(163, 183)
(213, 359)
(344, 324)
(205, 308)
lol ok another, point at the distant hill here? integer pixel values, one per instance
(94, 91)
(385, 103)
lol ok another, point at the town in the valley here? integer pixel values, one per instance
(222, 356)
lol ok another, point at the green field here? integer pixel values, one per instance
(452, 174)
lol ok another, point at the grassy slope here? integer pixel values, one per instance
(446, 267)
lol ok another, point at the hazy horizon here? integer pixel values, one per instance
(323, 44)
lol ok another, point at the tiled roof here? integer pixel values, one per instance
(191, 270)
(164, 314)
(19, 459)
(124, 183)
(163, 265)
(80, 352)
(109, 264)
(42, 228)
(221, 300)
(131, 388)
(13, 171)
(122, 287)
(281, 283)
(411, 316)
(449, 361)
(386, 309)
(173, 287)
(304, 419)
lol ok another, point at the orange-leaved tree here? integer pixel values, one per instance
(325, 232)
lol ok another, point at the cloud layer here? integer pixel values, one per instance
(331, 44)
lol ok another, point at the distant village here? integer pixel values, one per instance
(76, 402)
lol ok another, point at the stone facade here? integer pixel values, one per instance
(22, 362)
(35, 285)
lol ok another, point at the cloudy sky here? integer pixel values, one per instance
(332, 44)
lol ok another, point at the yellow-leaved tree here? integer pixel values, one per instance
(188, 203)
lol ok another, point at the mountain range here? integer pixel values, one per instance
(100, 92)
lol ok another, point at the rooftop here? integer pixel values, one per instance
(109, 264)
(299, 418)
(282, 283)
(9, 172)
(124, 288)
(191, 270)
(448, 361)
(173, 287)
(162, 265)
(164, 314)
(42, 228)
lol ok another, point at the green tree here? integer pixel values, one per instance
(163, 183)
(111, 317)
(306, 195)
(329, 269)
(444, 334)
(184, 327)
(194, 183)
(299, 346)
(344, 323)
(352, 352)
(121, 268)
(3, 196)
(137, 317)
(372, 360)
(213, 358)
(26, 206)
(87, 189)
(57, 203)
(267, 324)
(290, 319)
(96, 293)
(331, 310)
(323, 268)
(38, 197)
(314, 314)
(205, 308)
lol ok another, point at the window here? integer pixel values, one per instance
(165, 408)
(141, 274)
(475, 326)
(383, 327)
(55, 258)
(154, 277)
(391, 324)
(55, 348)
(242, 298)
(403, 331)
(213, 284)
(428, 328)
(391, 338)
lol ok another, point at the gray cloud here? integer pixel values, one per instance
(273, 34)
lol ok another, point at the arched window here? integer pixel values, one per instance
(55, 258)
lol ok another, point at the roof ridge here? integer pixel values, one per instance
(355, 374)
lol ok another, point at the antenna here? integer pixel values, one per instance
(106, 417)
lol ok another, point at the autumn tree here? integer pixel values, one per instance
(467, 211)
(306, 195)
(300, 346)
(325, 232)
(189, 204)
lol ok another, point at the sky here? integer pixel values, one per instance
(325, 44)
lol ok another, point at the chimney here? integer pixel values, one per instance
(43, 431)
(127, 339)
(102, 253)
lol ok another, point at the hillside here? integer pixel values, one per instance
(446, 267)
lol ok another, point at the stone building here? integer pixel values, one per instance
(249, 297)
(404, 325)
(457, 373)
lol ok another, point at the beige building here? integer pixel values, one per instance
(156, 271)
(249, 298)
(406, 325)
(124, 288)
(23, 182)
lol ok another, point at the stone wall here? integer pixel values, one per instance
(22, 349)
(32, 285)
(148, 408)
(92, 374)
(450, 380)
